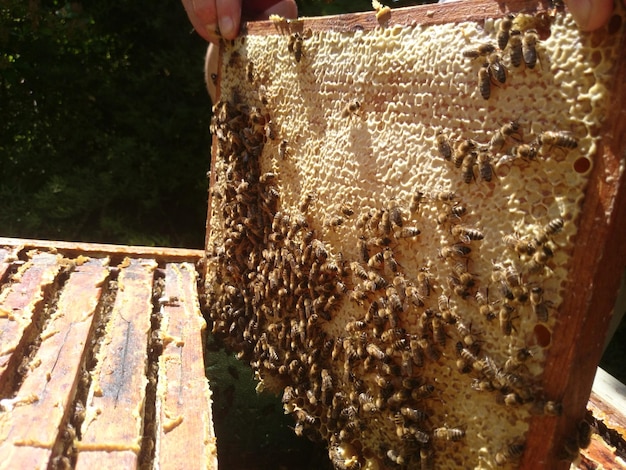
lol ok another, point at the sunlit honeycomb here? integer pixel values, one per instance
(389, 246)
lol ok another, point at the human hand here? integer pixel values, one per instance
(590, 14)
(213, 19)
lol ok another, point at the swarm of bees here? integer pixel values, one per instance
(280, 288)
(468, 154)
(519, 45)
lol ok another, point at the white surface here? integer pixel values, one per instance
(610, 390)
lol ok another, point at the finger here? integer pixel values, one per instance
(228, 17)
(203, 17)
(590, 14)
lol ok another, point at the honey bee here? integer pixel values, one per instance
(282, 149)
(395, 457)
(466, 334)
(517, 359)
(423, 284)
(480, 51)
(467, 234)
(529, 48)
(375, 352)
(462, 150)
(443, 147)
(449, 434)
(557, 139)
(250, 72)
(270, 132)
(423, 391)
(506, 324)
(395, 214)
(484, 82)
(584, 433)
(417, 353)
(485, 169)
(552, 408)
(385, 222)
(512, 399)
(407, 363)
(295, 43)
(392, 334)
(445, 196)
(504, 31)
(376, 260)
(429, 349)
(539, 306)
(539, 259)
(457, 211)
(439, 332)
(413, 414)
(443, 302)
(456, 249)
(357, 294)
(551, 228)
(467, 167)
(426, 458)
(408, 232)
(361, 246)
(512, 452)
(500, 136)
(416, 199)
(378, 281)
(515, 48)
(397, 399)
(512, 276)
(520, 246)
(482, 385)
(335, 221)
(319, 250)
(395, 304)
(383, 12)
(462, 277)
(390, 261)
(346, 210)
(523, 151)
(351, 109)
(355, 325)
(303, 417)
(363, 220)
(496, 68)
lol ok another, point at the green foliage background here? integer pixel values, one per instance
(103, 122)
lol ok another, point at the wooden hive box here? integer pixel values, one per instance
(101, 358)
(419, 253)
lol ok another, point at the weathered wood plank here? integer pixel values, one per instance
(44, 397)
(19, 306)
(114, 409)
(183, 400)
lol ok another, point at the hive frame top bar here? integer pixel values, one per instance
(429, 14)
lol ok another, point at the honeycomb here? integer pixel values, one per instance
(391, 220)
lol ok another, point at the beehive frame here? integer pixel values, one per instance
(596, 257)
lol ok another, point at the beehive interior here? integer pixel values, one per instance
(403, 299)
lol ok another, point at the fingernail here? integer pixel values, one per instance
(227, 26)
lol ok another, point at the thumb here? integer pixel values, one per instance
(590, 14)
